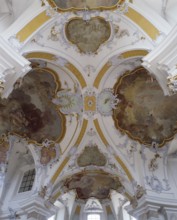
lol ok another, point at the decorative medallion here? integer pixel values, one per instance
(90, 99)
(89, 103)
(50, 152)
(93, 184)
(29, 110)
(144, 113)
(88, 36)
(65, 5)
(91, 156)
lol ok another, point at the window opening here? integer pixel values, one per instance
(93, 217)
(27, 181)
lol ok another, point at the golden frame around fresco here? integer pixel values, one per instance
(113, 7)
(58, 113)
(125, 131)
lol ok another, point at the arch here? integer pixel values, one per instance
(52, 58)
(124, 55)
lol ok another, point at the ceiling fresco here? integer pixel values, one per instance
(91, 156)
(144, 113)
(82, 4)
(29, 110)
(93, 184)
(88, 36)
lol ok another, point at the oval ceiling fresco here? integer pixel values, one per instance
(144, 113)
(29, 110)
(85, 4)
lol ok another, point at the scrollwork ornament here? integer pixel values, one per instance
(106, 102)
(172, 84)
(156, 185)
(54, 34)
(122, 8)
(69, 102)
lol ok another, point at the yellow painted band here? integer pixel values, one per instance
(124, 167)
(108, 210)
(97, 126)
(83, 129)
(134, 53)
(77, 73)
(59, 170)
(63, 164)
(41, 55)
(141, 21)
(56, 196)
(32, 26)
(102, 72)
(78, 210)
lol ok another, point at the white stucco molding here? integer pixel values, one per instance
(162, 62)
(149, 208)
(12, 67)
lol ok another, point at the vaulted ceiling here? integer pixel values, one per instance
(83, 104)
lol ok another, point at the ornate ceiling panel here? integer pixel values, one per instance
(91, 156)
(88, 36)
(83, 4)
(93, 184)
(144, 113)
(29, 110)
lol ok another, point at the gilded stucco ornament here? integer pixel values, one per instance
(88, 103)
(90, 100)
(49, 153)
